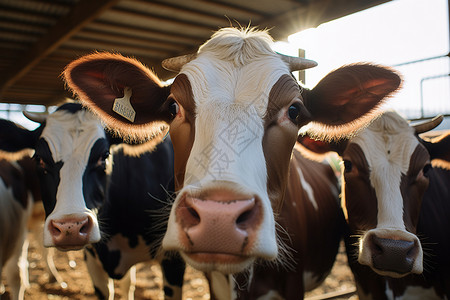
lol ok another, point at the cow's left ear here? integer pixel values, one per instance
(16, 141)
(439, 148)
(124, 93)
(344, 97)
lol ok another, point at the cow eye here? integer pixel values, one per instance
(40, 163)
(294, 113)
(174, 108)
(347, 166)
(426, 169)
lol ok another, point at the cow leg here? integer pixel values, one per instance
(16, 268)
(103, 285)
(173, 268)
(128, 283)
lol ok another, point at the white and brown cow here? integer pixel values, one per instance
(396, 193)
(234, 112)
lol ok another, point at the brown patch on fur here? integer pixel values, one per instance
(278, 141)
(184, 134)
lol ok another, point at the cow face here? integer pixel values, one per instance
(385, 177)
(71, 155)
(71, 149)
(386, 173)
(234, 112)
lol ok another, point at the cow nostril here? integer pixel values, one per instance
(376, 248)
(86, 227)
(244, 218)
(54, 229)
(248, 218)
(193, 213)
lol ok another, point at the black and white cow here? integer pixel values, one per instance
(117, 212)
(18, 193)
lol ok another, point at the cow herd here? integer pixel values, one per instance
(211, 171)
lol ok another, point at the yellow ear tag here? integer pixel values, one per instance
(123, 107)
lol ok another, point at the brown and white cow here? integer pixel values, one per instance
(312, 225)
(234, 112)
(396, 193)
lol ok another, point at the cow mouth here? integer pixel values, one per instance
(220, 258)
(226, 263)
(69, 247)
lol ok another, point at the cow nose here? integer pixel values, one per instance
(393, 255)
(71, 233)
(211, 226)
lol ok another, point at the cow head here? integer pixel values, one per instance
(71, 148)
(234, 112)
(386, 170)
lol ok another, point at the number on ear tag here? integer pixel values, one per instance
(123, 107)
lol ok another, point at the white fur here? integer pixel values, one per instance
(13, 243)
(70, 138)
(231, 98)
(388, 144)
(308, 189)
(414, 293)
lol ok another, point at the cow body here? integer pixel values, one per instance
(396, 192)
(18, 192)
(313, 225)
(132, 219)
(234, 112)
(87, 200)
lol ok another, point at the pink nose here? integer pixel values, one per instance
(222, 227)
(71, 233)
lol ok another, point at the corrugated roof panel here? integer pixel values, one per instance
(142, 33)
(43, 7)
(147, 21)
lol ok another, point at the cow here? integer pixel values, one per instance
(233, 113)
(313, 225)
(112, 210)
(18, 193)
(396, 197)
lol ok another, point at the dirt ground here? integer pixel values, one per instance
(77, 285)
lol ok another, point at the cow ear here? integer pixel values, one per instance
(134, 148)
(318, 149)
(348, 97)
(439, 149)
(16, 141)
(99, 79)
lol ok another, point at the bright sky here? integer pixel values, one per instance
(392, 33)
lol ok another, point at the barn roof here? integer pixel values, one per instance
(39, 38)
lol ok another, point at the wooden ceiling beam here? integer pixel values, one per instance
(84, 12)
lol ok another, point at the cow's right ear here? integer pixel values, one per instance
(16, 141)
(99, 79)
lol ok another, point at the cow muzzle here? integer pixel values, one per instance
(71, 232)
(394, 253)
(218, 232)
